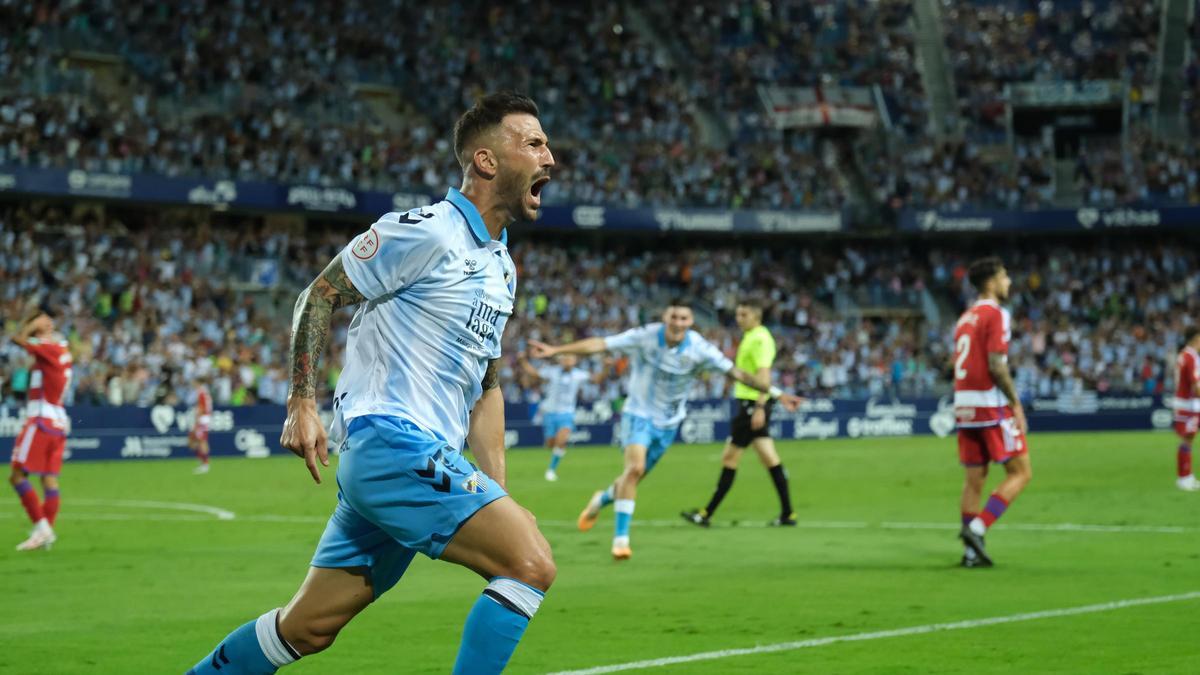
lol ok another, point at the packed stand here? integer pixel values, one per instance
(992, 43)
(1091, 316)
(147, 310)
(736, 47)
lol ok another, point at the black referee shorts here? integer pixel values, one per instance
(741, 434)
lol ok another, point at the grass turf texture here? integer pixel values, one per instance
(151, 590)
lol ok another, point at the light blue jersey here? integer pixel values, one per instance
(439, 292)
(660, 377)
(561, 388)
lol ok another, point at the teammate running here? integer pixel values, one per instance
(560, 396)
(665, 359)
(991, 420)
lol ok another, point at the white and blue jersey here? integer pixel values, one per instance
(439, 292)
(560, 395)
(560, 388)
(660, 376)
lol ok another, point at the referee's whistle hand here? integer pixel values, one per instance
(790, 402)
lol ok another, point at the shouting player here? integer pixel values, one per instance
(434, 289)
(751, 422)
(665, 359)
(198, 438)
(560, 396)
(43, 439)
(1187, 407)
(991, 420)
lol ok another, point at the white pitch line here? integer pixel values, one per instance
(883, 634)
(220, 514)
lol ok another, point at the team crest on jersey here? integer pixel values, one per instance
(367, 245)
(475, 483)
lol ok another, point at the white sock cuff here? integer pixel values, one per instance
(520, 598)
(624, 506)
(273, 646)
(559, 452)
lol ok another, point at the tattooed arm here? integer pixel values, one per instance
(303, 433)
(486, 435)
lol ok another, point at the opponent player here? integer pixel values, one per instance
(560, 396)
(991, 420)
(435, 289)
(664, 360)
(40, 445)
(1187, 407)
(752, 419)
(198, 438)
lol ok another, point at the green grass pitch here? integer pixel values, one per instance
(150, 587)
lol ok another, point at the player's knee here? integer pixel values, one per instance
(730, 457)
(312, 636)
(535, 568)
(635, 470)
(1025, 472)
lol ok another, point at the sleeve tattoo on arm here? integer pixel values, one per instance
(314, 310)
(491, 378)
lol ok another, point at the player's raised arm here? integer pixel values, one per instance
(486, 433)
(303, 432)
(998, 367)
(31, 327)
(584, 347)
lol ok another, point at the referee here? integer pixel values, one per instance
(751, 420)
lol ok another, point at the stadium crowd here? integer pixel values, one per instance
(271, 93)
(150, 305)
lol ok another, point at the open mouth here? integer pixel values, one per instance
(535, 190)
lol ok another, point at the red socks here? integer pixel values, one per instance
(29, 500)
(50, 507)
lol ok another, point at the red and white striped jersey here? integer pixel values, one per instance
(49, 379)
(983, 329)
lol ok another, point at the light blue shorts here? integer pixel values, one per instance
(400, 491)
(552, 422)
(640, 431)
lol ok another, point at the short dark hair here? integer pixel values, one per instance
(751, 301)
(487, 113)
(679, 301)
(982, 270)
(1190, 334)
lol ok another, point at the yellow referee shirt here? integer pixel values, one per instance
(756, 351)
